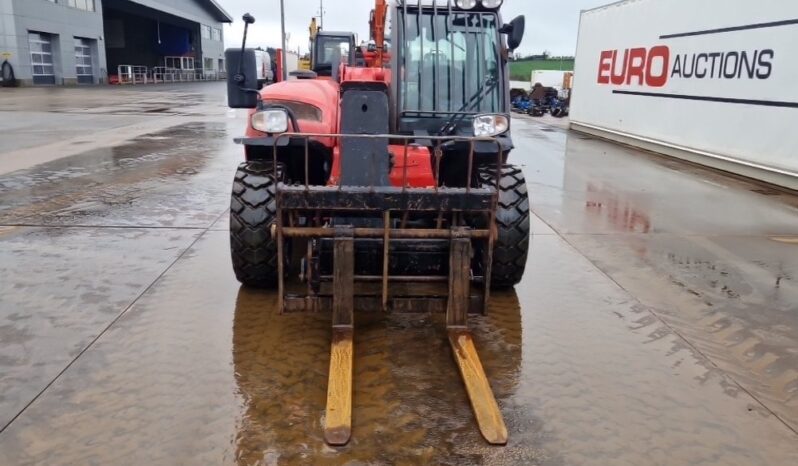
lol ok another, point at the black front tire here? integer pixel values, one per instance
(511, 246)
(253, 210)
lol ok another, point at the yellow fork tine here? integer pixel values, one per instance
(338, 422)
(486, 410)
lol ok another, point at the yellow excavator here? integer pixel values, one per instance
(313, 29)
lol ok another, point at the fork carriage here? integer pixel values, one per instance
(400, 234)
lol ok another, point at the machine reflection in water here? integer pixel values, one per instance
(409, 402)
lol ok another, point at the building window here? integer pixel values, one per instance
(206, 31)
(83, 64)
(217, 34)
(41, 58)
(208, 64)
(87, 5)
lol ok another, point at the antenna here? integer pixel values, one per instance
(282, 35)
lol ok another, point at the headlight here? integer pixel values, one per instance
(301, 110)
(492, 3)
(466, 4)
(490, 125)
(270, 121)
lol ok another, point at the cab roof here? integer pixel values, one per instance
(336, 33)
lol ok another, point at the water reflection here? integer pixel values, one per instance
(621, 214)
(409, 403)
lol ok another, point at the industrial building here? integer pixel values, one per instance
(68, 42)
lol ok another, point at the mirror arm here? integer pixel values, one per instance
(239, 77)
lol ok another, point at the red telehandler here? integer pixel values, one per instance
(384, 184)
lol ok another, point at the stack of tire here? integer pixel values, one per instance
(560, 111)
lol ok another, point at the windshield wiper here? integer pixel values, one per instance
(451, 125)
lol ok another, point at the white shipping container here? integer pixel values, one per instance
(712, 81)
(520, 85)
(291, 61)
(548, 78)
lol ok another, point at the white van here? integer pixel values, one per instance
(263, 63)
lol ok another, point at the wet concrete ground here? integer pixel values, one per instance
(657, 322)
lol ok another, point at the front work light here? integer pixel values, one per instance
(270, 121)
(466, 4)
(490, 125)
(492, 3)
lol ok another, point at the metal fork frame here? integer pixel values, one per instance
(436, 195)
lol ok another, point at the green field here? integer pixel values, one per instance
(522, 70)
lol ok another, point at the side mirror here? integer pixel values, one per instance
(515, 32)
(242, 78)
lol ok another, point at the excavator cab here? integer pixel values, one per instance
(330, 49)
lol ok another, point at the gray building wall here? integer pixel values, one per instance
(191, 10)
(64, 24)
(8, 33)
(194, 10)
(8, 36)
(214, 49)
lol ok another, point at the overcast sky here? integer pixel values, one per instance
(550, 24)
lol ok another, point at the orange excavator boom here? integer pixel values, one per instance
(377, 25)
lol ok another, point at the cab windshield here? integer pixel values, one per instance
(331, 50)
(450, 63)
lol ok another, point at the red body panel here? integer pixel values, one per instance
(321, 93)
(324, 94)
(365, 75)
(419, 167)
